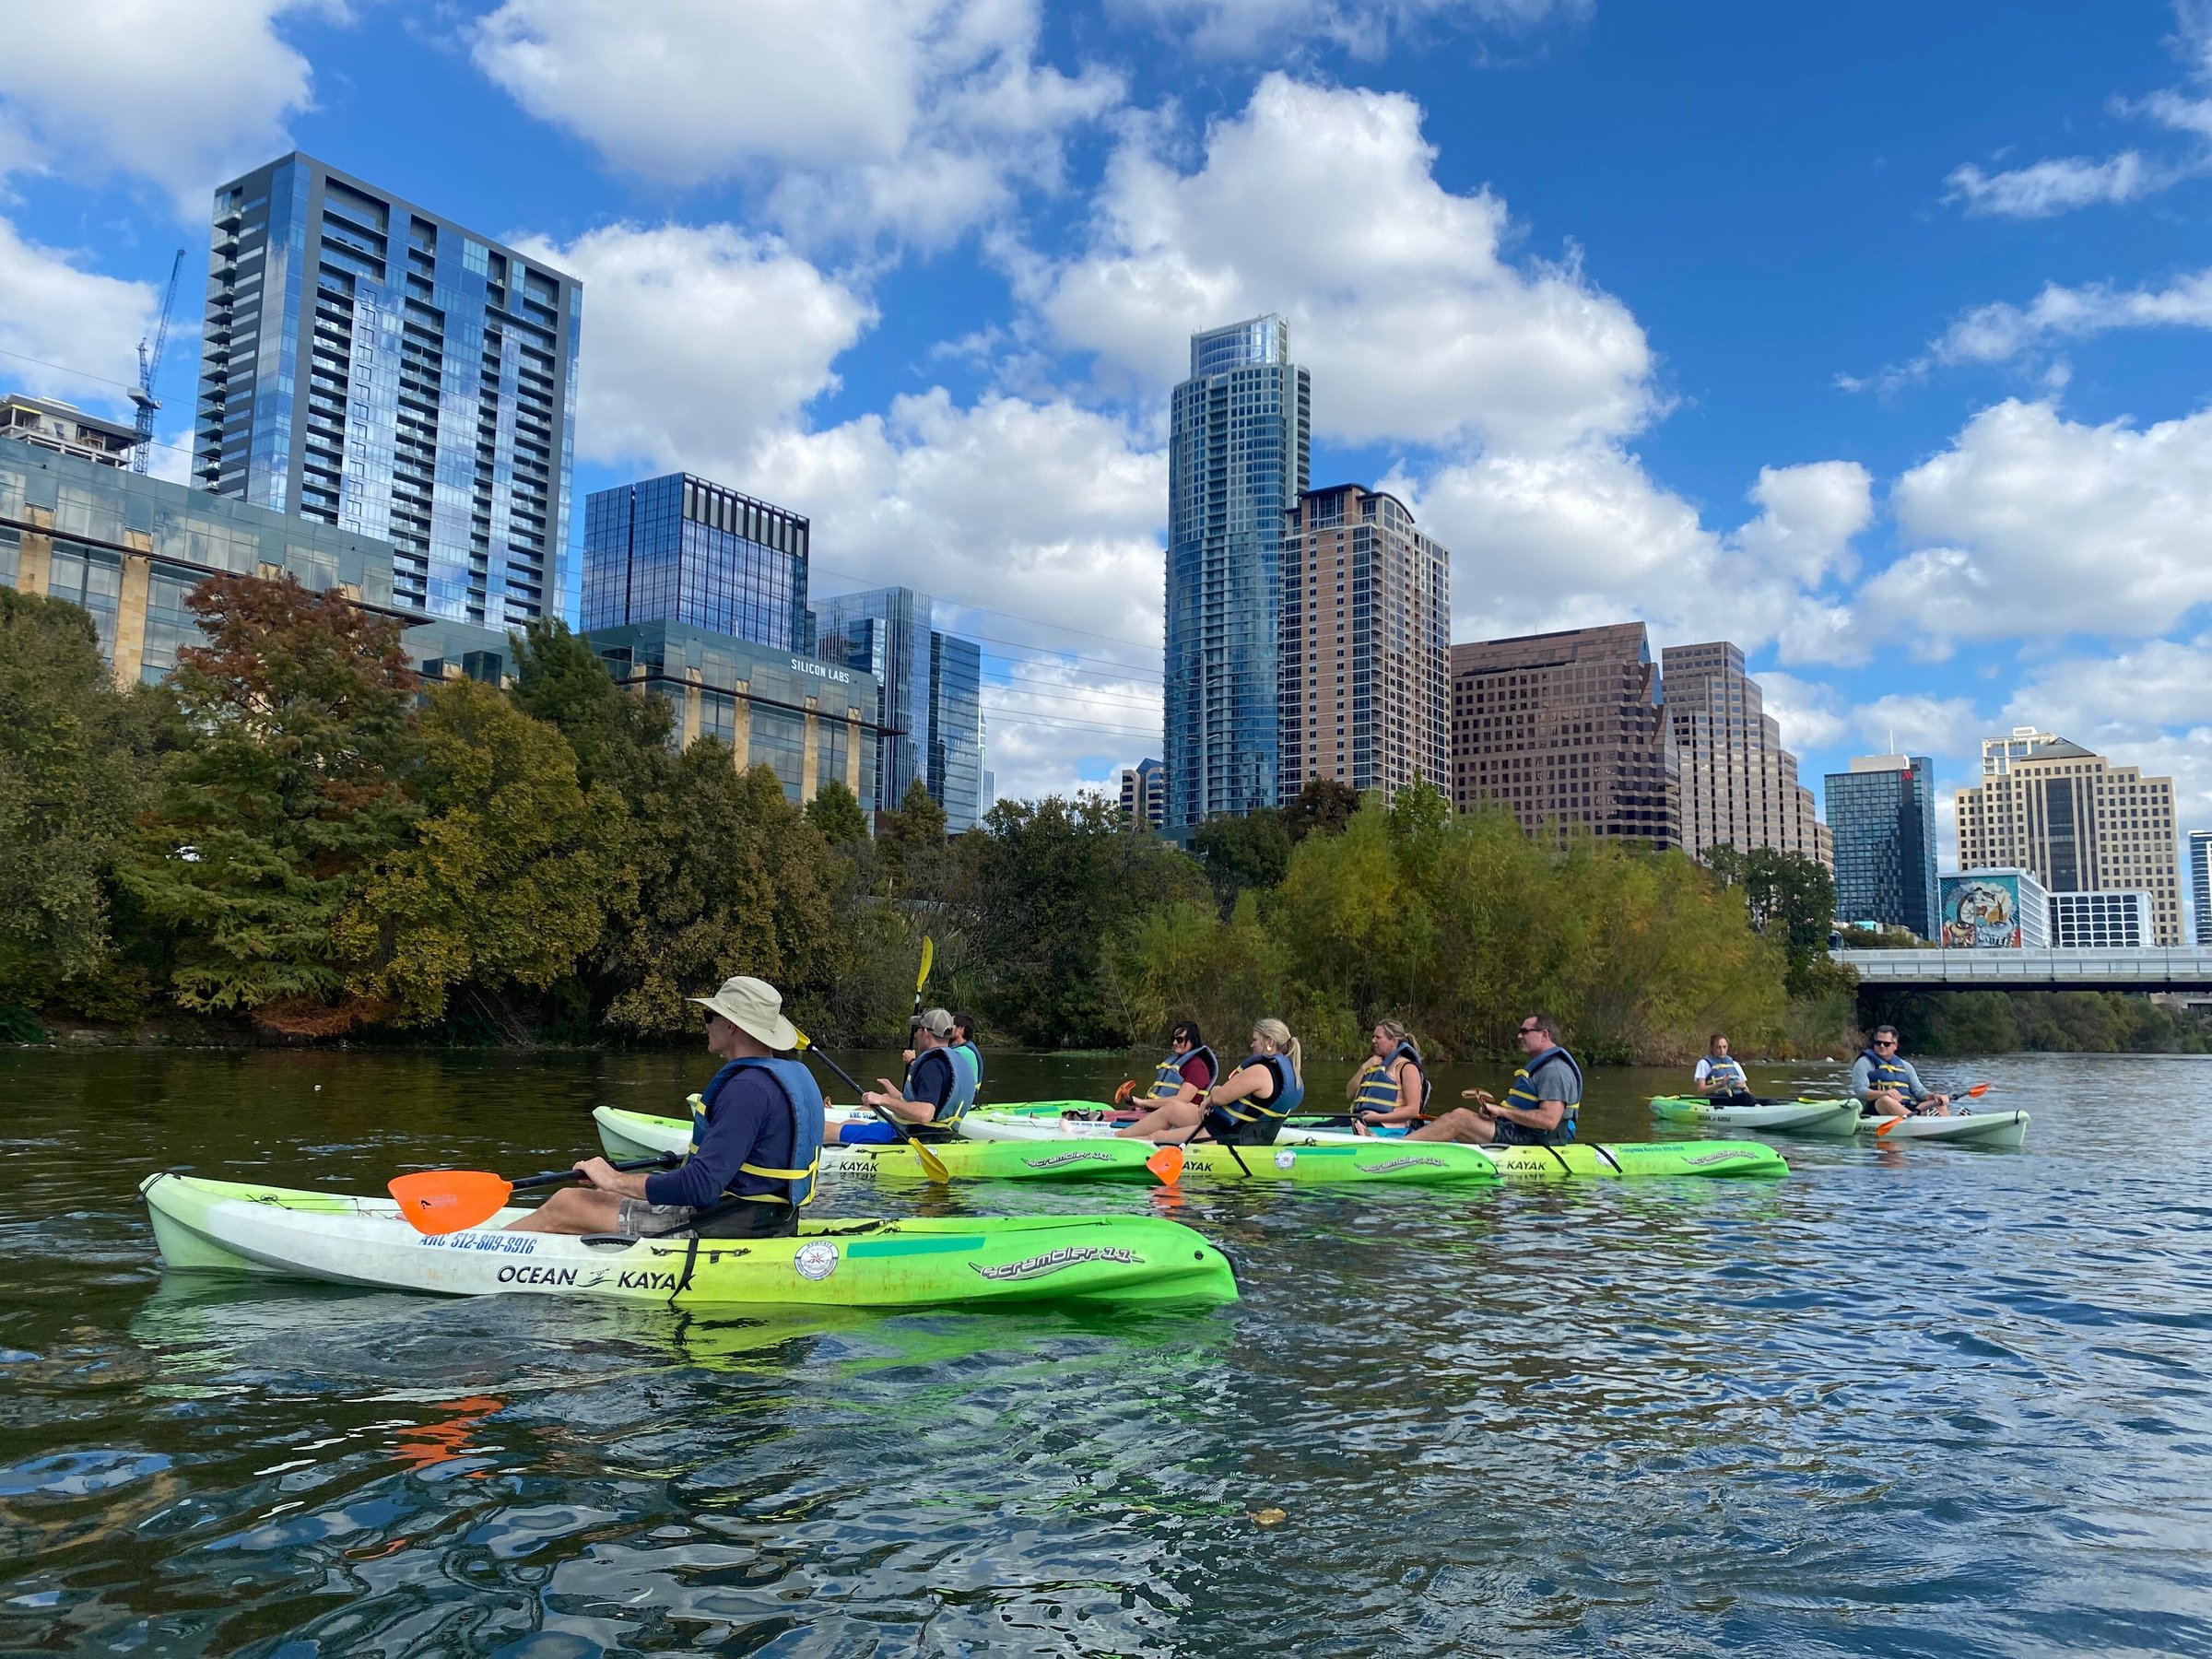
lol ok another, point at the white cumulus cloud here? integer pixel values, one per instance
(54, 312)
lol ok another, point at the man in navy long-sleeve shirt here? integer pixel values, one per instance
(748, 1121)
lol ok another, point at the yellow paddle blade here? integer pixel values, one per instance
(929, 955)
(932, 1165)
(1166, 1165)
(445, 1201)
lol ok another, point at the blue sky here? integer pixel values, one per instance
(1878, 342)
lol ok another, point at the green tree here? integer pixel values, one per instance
(835, 811)
(299, 711)
(1322, 807)
(912, 840)
(1250, 851)
(73, 753)
(509, 876)
(559, 678)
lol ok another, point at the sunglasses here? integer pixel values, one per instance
(1530, 1030)
(1885, 1042)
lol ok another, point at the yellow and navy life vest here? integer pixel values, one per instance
(1889, 1074)
(957, 1102)
(804, 1096)
(1167, 1079)
(1525, 1095)
(1288, 1092)
(1379, 1087)
(1726, 1070)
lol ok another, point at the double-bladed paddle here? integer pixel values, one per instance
(445, 1201)
(1975, 1093)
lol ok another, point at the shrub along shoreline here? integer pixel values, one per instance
(292, 837)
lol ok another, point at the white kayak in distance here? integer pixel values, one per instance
(2005, 1129)
(1838, 1118)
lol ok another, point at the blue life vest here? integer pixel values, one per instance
(966, 1054)
(1523, 1093)
(957, 1102)
(1889, 1074)
(1726, 1071)
(1288, 1092)
(1167, 1080)
(1379, 1088)
(804, 1096)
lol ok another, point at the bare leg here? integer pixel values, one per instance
(1458, 1124)
(573, 1210)
(1166, 1125)
(1888, 1105)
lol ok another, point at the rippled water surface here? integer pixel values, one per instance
(1928, 1400)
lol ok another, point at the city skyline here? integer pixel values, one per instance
(1822, 424)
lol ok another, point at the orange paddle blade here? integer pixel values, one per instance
(1166, 1164)
(1128, 1088)
(1884, 1129)
(1977, 1091)
(445, 1201)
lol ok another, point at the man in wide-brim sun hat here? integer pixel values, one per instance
(755, 1140)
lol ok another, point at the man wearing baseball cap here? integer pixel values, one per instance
(756, 1141)
(935, 1093)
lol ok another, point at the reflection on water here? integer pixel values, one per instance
(1924, 1399)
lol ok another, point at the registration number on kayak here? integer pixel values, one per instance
(507, 1244)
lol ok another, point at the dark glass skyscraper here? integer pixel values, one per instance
(1881, 818)
(681, 549)
(956, 728)
(368, 363)
(929, 699)
(1237, 464)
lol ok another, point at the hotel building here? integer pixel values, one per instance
(1739, 785)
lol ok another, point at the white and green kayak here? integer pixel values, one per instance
(1839, 1118)
(627, 1136)
(1576, 1160)
(2000, 1129)
(251, 1228)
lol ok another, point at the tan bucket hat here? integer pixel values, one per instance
(755, 1008)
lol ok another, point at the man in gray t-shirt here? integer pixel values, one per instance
(1886, 1084)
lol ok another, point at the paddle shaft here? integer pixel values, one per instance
(666, 1160)
(931, 1162)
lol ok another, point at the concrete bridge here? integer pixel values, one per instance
(2156, 969)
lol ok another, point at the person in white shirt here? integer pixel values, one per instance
(1720, 1079)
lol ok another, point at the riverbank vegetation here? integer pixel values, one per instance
(292, 836)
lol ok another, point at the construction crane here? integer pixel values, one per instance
(150, 365)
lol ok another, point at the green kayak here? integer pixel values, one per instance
(252, 1228)
(627, 1136)
(1773, 1117)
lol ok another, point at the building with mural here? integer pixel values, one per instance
(1993, 910)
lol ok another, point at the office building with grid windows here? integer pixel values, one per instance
(369, 364)
(928, 718)
(1238, 450)
(2080, 822)
(1569, 731)
(1739, 785)
(678, 548)
(2200, 882)
(2106, 921)
(1366, 644)
(1881, 821)
(955, 751)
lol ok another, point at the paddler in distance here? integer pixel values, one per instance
(756, 1141)
(965, 1053)
(1539, 1107)
(1720, 1079)
(1888, 1086)
(1390, 1090)
(1247, 1107)
(1184, 1076)
(932, 1098)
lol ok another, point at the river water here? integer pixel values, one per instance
(1927, 1400)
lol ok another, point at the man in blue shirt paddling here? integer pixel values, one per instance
(756, 1141)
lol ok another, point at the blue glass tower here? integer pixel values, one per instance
(1237, 464)
(1881, 818)
(681, 549)
(956, 729)
(929, 698)
(369, 364)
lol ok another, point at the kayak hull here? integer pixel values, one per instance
(2007, 1130)
(344, 1240)
(1834, 1118)
(1577, 1160)
(626, 1135)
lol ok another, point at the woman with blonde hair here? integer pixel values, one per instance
(1247, 1107)
(1391, 1089)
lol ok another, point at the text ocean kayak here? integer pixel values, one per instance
(2004, 1129)
(634, 1134)
(1839, 1118)
(350, 1240)
(1576, 1160)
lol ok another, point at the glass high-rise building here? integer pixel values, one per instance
(1238, 461)
(2200, 882)
(678, 548)
(1881, 823)
(929, 692)
(1739, 785)
(372, 365)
